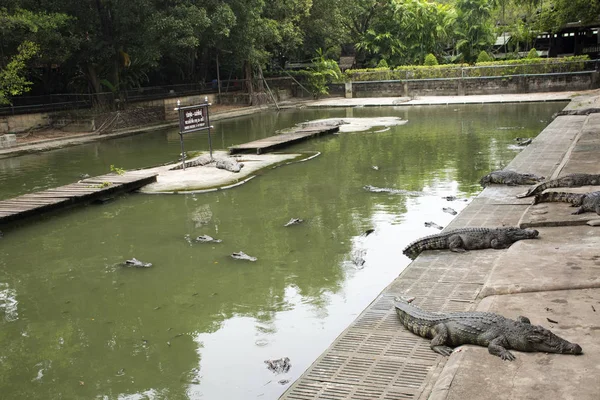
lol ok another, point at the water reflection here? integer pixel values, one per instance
(199, 324)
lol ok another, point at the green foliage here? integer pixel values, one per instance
(12, 77)
(483, 57)
(430, 60)
(532, 54)
(484, 69)
(117, 170)
(104, 184)
(382, 64)
(322, 72)
(474, 27)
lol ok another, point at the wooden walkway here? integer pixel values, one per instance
(82, 192)
(285, 139)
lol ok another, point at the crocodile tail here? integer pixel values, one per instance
(539, 188)
(426, 243)
(559, 197)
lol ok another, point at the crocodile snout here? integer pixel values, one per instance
(576, 349)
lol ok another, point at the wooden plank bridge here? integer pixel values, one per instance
(284, 139)
(82, 192)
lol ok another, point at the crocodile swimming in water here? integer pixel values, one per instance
(461, 240)
(588, 202)
(497, 333)
(510, 178)
(571, 180)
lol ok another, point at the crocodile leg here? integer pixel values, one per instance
(580, 210)
(498, 244)
(439, 340)
(523, 319)
(455, 244)
(496, 347)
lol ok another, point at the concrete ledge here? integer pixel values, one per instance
(473, 373)
(562, 258)
(557, 214)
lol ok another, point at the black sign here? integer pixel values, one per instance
(193, 118)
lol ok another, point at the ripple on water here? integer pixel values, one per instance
(8, 302)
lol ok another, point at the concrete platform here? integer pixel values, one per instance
(554, 277)
(208, 177)
(557, 214)
(562, 258)
(444, 100)
(472, 373)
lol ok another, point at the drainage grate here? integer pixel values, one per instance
(311, 390)
(364, 371)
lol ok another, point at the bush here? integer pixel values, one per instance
(382, 64)
(430, 60)
(484, 57)
(490, 68)
(532, 54)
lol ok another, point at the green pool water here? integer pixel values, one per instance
(75, 324)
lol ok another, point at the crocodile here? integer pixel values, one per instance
(229, 165)
(461, 240)
(375, 189)
(588, 202)
(571, 180)
(240, 255)
(294, 221)
(134, 262)
(510, 178)
(207, 239)
(198, 162)
(494, 331)
(430, 224)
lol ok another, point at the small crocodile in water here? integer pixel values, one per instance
(449, 210)
(497, 333)
(461, 240)
(571, 180)
(375, 189)
(207, 239)
(134, 262)
(240, 255)
(510, 178)
(588, 202)
(430, 224)
(523, 141)
(294, 221)
(279, 366)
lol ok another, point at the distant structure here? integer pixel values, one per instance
(573, 39)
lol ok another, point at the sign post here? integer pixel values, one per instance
(193, 119)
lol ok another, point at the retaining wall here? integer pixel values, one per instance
(476, 86)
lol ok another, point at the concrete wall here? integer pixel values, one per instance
(472, 86)
(23, 122)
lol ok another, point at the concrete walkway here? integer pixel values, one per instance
(444, 100)
(553, 281)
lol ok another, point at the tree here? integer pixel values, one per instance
(473, 27)
(24, 36)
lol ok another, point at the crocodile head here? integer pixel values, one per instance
(486, 180)
(541, 339)
(515, 234)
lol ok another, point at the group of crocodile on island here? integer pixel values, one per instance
(496, 332)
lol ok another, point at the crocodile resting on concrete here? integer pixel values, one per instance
(461, 240)
(497, 333)
(588, 202)
(510, 178)
(571, 180)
